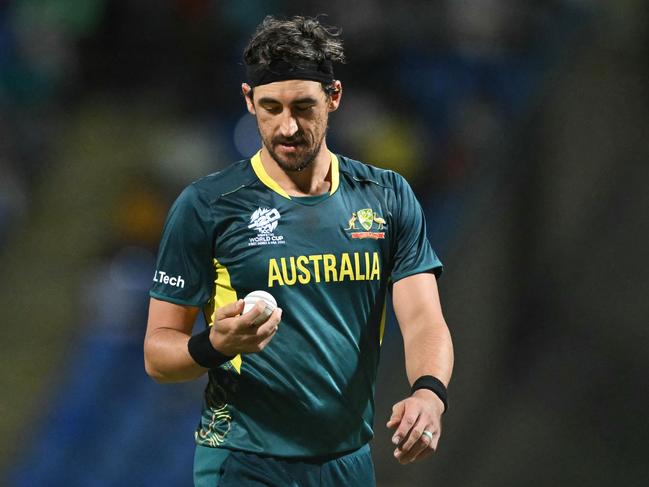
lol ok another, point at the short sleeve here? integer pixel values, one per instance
(413, 253)
(184, 268)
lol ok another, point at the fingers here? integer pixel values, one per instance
(436, 436)
(258, 337)
(405, 452)
(423, 446)
(271, 324)
(408, 419)
(232, 310)
(397, 414)
(427, 451)
(235, 334)
(413, 435)
(250, 317)
(267, 340)
(412, 417)
(229, 310)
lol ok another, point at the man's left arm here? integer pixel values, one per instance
(428, 351)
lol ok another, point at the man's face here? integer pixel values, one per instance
(292, 119)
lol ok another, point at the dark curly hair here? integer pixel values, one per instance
(294, 40)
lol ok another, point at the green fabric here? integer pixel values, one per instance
(221, 468)
(208, 464)
(311, 200)
(329, 265)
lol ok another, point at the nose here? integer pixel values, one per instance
(288, 125)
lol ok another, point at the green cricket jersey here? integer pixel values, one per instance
(328, 261)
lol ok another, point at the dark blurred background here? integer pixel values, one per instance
(523, 127)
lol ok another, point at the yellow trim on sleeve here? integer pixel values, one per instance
(224, 294)
(265, 178)
(382, 325)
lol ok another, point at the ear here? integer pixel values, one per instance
(247, 95)
(336, 96)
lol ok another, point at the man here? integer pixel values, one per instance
(290, 402)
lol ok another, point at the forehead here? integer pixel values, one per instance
(289, 90)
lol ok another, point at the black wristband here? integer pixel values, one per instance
(432, 384)
(203, 353)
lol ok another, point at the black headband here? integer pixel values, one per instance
(262, 74)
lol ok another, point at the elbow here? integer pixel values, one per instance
(152, 372)
(164, 367)
(160, 376)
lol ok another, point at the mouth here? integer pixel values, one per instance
(289, 146)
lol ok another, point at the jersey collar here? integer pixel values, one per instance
(264, 177)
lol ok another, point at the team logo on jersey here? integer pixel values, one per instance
(264, 221)
(369, 221)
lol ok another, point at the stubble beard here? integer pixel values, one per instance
(298, 164)
(302, 160)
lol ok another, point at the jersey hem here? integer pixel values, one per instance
(303, 458)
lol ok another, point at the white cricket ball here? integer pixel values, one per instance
(269, 305)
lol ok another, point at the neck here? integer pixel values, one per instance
(313, 180)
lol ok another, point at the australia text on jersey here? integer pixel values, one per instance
(264, 221)
(303, 269)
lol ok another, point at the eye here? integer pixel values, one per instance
(304, 107)
(272, 108)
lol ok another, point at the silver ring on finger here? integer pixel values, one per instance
(428, 434)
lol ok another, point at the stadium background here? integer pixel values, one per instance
(523, 127)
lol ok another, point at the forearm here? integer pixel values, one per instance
(167, 358)
(428, 350)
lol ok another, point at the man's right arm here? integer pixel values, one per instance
(169, 328)
(166, 356)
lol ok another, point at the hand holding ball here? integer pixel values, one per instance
(269, 305)
(239, 327)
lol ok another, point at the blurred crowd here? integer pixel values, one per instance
(433, 82)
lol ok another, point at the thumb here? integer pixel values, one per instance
(397, 413)
(229, 310)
